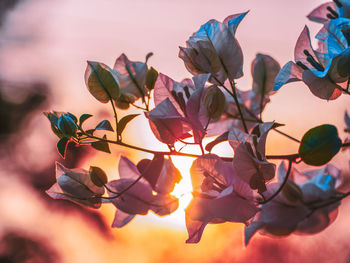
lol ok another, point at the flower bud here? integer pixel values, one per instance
(53, 118)
(124, 101)
(67, 125)
(214, 101)
(343, 64)
(292, 192)
(98, 176)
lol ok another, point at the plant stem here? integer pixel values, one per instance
(256, 120)
(234, 94)
(287, 135)
(330, 201)
(169, 153)
(115, 117)
(344, 90)
(282, 185)
(346, 144)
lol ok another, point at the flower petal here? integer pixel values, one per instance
(56, 192)
(303, 43)
(127, 169)
(168, 177)
(289, 73)
(165, 85)
(121, 219)
(166, 122)
(210, 165)
(233, 21)
(195, 230)
(250, 230)
(323, 88)
(319, 14)
(226, 46)
(76, 182)
(136, 200)
(264, 71)
(164, 204)
(138, 71)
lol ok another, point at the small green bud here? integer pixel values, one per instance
(214, 101)
(67, 125)
(124, 101)
(53, 118)
(291, 191)
(98, 176)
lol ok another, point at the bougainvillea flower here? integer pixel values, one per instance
(159, 172)
(133, 194)
(75, 185)
(222, 196)
(182, 107)
(324, 76)
(214, 49)
(330, 10)
(304, 211)
(333, 40)
(249, 161)
(131, 76)
(179, 93)
(167, 124)
(264, 70)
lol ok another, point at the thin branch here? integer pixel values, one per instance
(233, 86)
(343, 90)
(287, 135)
(115, 116)
(346, 144)
(282, 185)
(138, 107)
(330, 202)
(118, 194)
(172, 152)
(256, 120)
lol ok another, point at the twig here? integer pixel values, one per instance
(282, 185)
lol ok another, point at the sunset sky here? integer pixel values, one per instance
(52, 40)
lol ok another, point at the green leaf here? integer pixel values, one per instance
(67, 125)
(98, 176)
(54, 122)
(223, 137)
(319, 145)
(104, 125)
(292, 192)
(52, 118)
(62, 146)
(151, 78)
(101, 145)
(124, 121)
(102, 82)
(73, 117)
(83, 118)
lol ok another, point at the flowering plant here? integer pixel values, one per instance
(245, 187)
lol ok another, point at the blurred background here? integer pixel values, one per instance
(44, 46)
